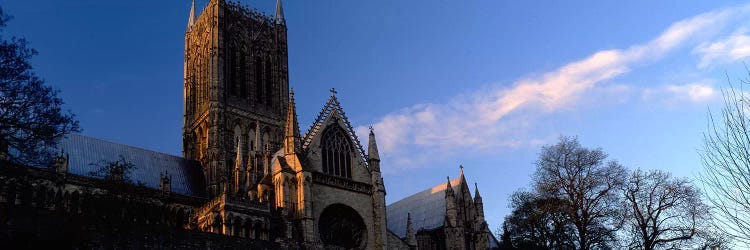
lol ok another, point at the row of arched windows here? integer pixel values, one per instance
(245, 228)
(239, 75)
(22, 196)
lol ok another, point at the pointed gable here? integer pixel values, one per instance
(332, 110)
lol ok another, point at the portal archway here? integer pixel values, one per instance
(341, 226)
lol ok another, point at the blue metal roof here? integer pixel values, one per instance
(86, 153)
(427, 209)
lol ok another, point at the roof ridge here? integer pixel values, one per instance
(441, 186)
(88, 153)
(126, 145)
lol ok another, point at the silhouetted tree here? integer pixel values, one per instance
(31, 116)
(587, 188)
(662, 211)
(506, 242)
(539, 223)
(726, 165)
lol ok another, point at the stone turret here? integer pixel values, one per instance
(279, 13)
(239, 163)
(451, 214)
(482, 235)
(478, 202)
(191, 18)
(378, 196)
(165, 184)
(373, 157)
(291, 128)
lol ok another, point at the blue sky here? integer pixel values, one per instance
(479, 83)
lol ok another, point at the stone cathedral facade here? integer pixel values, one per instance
(241, 126)
(248, 177)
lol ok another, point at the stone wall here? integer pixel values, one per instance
(40, 208)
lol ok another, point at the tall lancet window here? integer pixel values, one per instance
(232, 72)
(336, 152)
(242, 74)
(269, 84)
(258, 80)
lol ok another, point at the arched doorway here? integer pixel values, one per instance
(340, 226)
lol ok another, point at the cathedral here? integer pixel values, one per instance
(248, 178)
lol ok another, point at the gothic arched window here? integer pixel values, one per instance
(336, 152)
(269, 82)
(258, 80)
(242, 74)
(232, 70)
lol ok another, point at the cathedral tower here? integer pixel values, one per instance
(236, 92)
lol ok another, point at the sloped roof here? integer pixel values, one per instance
(332, 106)
(186, 175)
(427, 209)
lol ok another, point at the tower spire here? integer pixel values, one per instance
(191, 18)
(279, 13)
(291, 131)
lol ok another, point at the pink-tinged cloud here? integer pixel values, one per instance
(733, 48)
(499, 116)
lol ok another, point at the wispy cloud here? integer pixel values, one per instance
(498, 116)
(695, 92)
(726, 50)
(698, 92)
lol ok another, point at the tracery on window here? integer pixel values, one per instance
(336, 152)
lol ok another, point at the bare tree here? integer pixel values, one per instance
(726, 165)
(589, 187)
(662, 211)
(31, 116)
